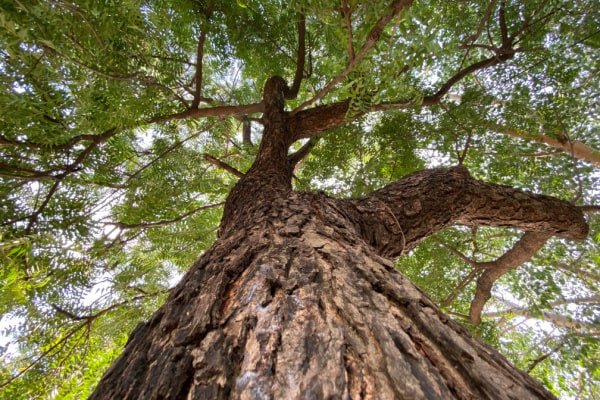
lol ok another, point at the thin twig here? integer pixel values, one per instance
(144, 225)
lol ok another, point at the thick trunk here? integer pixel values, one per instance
(299, 298)
(298, 305)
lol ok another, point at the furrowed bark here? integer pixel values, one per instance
(298, 302)
(296, 305)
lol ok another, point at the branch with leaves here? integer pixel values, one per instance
(395, 8)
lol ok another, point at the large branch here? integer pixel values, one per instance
(311, 122)
(218, 111)
(399, 216)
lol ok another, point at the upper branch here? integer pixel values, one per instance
(347, 14)
(307, 123)
(199, 63)
(502, 23)
(488, 62)
(554, 317)
(293, 91)
(576, 148)
(299, 155)
(218, 111)
(372, 39)
(311, 122)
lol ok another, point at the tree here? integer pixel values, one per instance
(128, 126)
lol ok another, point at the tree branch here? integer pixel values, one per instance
(168, 150)
(459, 288)
(218, 111)
(96, 140)
(482, 23)
(555, 318)
(223, 165)
(247, 131)
(311, 122)
(425, 202)
(298, 156)
(544, 356)
(395, 8)
(66, 313)
(521, 252)
(460, 255)
(488, 62)
(307, 123)
(199, 61)
(292, 93)
(576, 148)
(347, 14)
(77, 11)
(55, 348)
(35, 215)
(502, 23)
(144, 225)
(581, 273)
(117, 77)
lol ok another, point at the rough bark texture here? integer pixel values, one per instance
(299, 306)
(299, 298)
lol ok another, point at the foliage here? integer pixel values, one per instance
(108, 192)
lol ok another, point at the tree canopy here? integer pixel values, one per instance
(125, 123)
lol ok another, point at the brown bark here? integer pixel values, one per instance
(297, 305)
(299, 298)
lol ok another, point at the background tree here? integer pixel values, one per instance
(125, 125)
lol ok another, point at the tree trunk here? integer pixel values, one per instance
(299, 298)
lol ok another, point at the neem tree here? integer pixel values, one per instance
(131, 128)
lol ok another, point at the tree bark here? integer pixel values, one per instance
(299, 306)
(299, 297)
